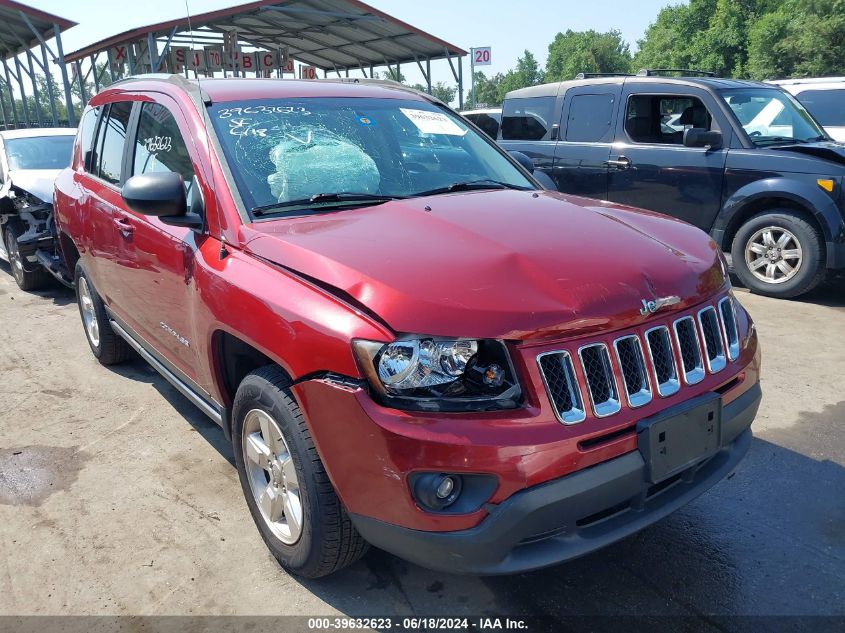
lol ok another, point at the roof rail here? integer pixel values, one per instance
(591, 75)
(652, 72)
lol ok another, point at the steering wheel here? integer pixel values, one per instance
(755, 133)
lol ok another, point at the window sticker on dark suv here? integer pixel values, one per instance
(527, 119)
(589, 118)
(111, 140)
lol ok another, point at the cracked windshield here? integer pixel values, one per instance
(370, 150)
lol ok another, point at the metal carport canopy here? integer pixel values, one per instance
(25, 28)
(330, 34)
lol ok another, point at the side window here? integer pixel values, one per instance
(159, 146)
(663, 118)
(826, 106)
(85, 137)
(589, 119)
(111, 141)
(488, 124)
(527, 119)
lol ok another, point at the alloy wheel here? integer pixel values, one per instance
(15, 261)
(89, 314)
(272, 476)
(773, 255)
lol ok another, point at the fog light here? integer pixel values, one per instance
(437, 491)
(445, 488)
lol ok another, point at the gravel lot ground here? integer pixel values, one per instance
(118, 497)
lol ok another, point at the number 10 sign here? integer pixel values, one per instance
(481, 56)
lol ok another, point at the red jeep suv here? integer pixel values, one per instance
(409, 343)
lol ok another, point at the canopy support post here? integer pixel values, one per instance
(71, 115)
(51, 94)
(11, 94)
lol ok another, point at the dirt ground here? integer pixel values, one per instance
(118, 497)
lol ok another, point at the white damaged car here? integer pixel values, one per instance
(30, 160)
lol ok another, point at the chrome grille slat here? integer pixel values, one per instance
(711, 333)
(601, 382)
(558, 373)
(729, 327)
(629, 355)
(662, 357)
(689, 350)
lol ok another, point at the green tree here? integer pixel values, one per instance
(487, 92)
(586, 51)
(762, 39)
(722, 46)
(444, 92)
(799, 38)
(527, 73)
(666, 41)
(440, 90)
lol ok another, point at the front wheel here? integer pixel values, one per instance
(288, 492)
(779, 254)
(26, 279)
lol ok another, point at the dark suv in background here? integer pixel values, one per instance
(741, 160)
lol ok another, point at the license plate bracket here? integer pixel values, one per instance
(672, 441)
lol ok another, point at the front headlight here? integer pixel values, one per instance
(434, 373)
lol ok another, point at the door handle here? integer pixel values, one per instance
(126, 229)
(620, 163)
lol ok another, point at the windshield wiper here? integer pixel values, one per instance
(324, 201)
(780, 139)
(469, 185)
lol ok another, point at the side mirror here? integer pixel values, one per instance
(159, 194)
(700, 137)
(523, 160)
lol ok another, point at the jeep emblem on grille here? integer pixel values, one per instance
(650, 307)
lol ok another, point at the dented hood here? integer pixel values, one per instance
(38, 182)
(826, 150)
(497, 264)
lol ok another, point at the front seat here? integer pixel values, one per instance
(695, 116)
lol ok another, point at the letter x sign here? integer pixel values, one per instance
(120, 55)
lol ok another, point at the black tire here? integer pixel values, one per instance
(110, 349)
(811, 271)
(26, 279)
(328, 541)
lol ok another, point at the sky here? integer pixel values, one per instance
(508, 26)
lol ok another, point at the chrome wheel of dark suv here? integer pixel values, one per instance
(779, 253)
(773, 255)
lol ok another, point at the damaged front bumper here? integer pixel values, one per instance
(571, 516)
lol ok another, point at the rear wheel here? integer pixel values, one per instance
(288, 492)
(779, 254)
(26, 279)
(108, 347)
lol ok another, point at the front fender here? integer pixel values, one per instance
(800, 189)
(295, 324)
